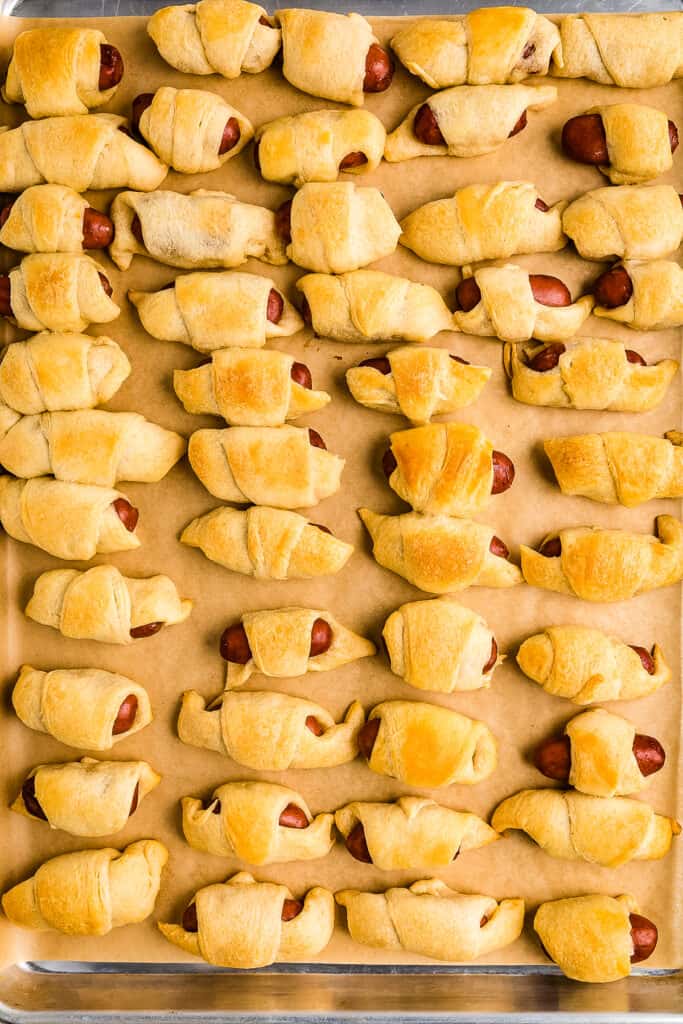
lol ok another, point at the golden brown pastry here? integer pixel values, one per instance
(82, 707)
(417, 382)
(629, 142)
(336, 227)
(244, 923)
(259, 822)
(282, 466)
(62, 71)
(633, 222)
(634, 51)
(608, 831)
(82, 152)
(101, 604)
(68, 520)
(368, 305)
(606, 565)
(432, 920)
(484, 222)
(89, 446)
(89, 892)
(618, 467)
(486, 46)
(318, 144)
(440, 554)
(86, 797)
(57, 292)
(53, 218)
(50, 372)
(412, 833)
(270, 731)
(200, 229)
(222, 37)
(513, 305)
(646, 296)
(440, 645)
(334, 56)
(446, 469)
(588, 373)
(595, 938)
(267, 543)
(249, 388)
(427, 745)
(466, 121)
(601, 754)
(191, 130)
(287, 642)
(211, 311)
(587, 666)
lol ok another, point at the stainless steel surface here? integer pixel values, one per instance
(92, 993)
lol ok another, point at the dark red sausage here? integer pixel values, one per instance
(325, 529)
(106, 286)
(644, 937)
(549, 291)
(125, 717)
(127, 513)
(381, 363)
(293, 817)
(315, 439)
(646, 658)
(649, 753)
(551, 548)
(355, 159)
(314, 726)
(614, 288)
(321, 638)
(367, 737)
(275, 306)
(553, 758)
(356, 844)
(98, 229)
(301, 375)
(547, 358)
(635, 357)
(493, 659)
(136, 230)
(459, 359)
(306, 314)
(467, 294)
(28, 795)
(234, 645)
(138, 107)
(111, 67)
(540, 205)
(673, 136)
(520, 125)
(503, 472)
(149, 629)
(426, 127)
(379, 69)
(231, 136)
(134, 801)
(291, 909)
(498, 548)
(584, 140)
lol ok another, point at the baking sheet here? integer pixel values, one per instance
(363, 594)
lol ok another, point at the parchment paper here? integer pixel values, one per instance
(363, 594)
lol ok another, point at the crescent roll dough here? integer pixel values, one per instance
(211, 311)
(82, 152)
(324, 54)
(79, 706)
(239, 924)
(587, 666)
(88, 797)
(267, 543)
(508, 310)
(414, 832)
(56, 71)
(90, 446)
(472, 119)
(45, 218)
(606, 831)
(200, 229)
(486, 46)
(101, 604)
(264, 465)
(432, 920)
(280, 641)
(49, 372)
(247, 388)
(602, 759)
(588, 937)
(69, 521)
(312, 146)
(91, 891)
(441, 468)
(185, 127)
(431, 746)
(438, 554)
(484, 222)
(337, 227)
(222, 37)
(592, 373)
(618, 467)
(638, 142)
(633, 222)
(440, 645)
(421, 383)
(634, 51)
(270, 731)
(608, 565)
(59, 292)
(368, 305)
(242, 819)
(657, 299)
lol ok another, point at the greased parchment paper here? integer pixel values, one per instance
(363, 594)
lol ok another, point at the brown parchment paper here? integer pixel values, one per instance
(363, 594)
